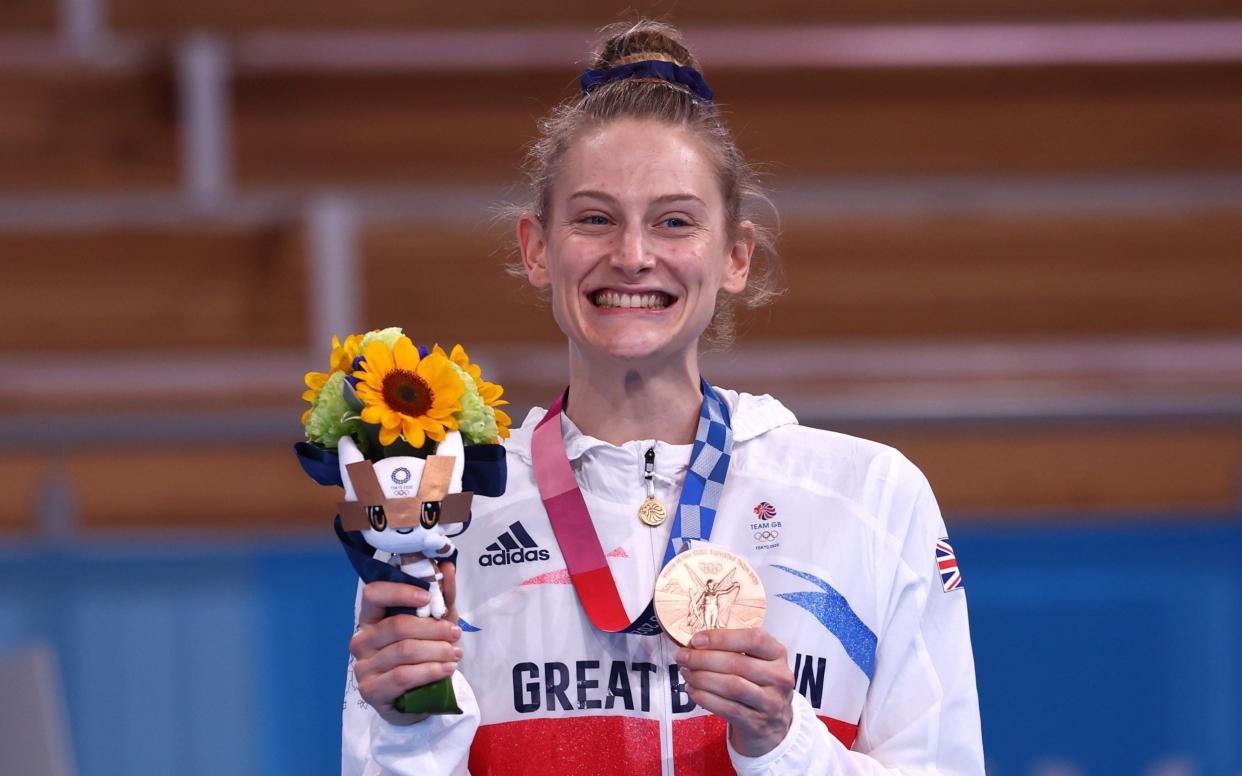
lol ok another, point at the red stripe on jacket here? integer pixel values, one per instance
(699, 743)
(609, 746)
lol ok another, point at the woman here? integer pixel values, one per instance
(863, 665)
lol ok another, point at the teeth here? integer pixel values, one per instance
(652, 301)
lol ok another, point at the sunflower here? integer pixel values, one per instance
(406, 395)
(343, 355)
(489, 392)
(341, 360)
(315, 382)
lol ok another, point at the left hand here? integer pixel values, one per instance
(743, 676)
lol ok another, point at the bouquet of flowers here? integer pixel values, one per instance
(381, 388)
(411, 435)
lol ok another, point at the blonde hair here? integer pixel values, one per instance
(656, 99)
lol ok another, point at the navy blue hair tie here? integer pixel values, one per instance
(649, 68)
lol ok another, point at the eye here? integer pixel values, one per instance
(430, 515)
(594, 219)
(674, 222)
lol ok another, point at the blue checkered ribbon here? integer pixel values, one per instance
(709, 463)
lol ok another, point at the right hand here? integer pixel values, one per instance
(399, 653)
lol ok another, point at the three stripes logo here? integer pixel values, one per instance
(513, 546)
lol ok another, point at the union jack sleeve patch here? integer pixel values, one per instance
(946, 564)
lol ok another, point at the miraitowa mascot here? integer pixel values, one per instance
(399, 503)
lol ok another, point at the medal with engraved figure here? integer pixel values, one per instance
(651, 512)
(708, 587)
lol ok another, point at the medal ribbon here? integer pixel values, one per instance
(575, 533)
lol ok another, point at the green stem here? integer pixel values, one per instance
(435, 698)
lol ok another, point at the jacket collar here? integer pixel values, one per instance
(752, 417)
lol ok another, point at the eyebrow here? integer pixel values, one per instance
(660, 200)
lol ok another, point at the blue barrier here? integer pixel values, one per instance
(1100, 648)
(1106, 648)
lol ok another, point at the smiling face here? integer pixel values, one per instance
(635, 245)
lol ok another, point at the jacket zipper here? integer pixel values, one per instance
(665, 689)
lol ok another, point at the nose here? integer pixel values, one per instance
(632, 256)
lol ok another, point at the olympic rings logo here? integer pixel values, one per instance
(767, 536)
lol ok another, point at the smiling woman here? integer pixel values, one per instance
(643, 232)
(644, 72)
(636, 248)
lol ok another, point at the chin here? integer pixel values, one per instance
(634, 342)
(637, 350)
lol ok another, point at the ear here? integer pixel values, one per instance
(531, 242)
(453, 445)
(347, 453)
(737, 268)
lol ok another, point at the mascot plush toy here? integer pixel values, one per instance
(399, 504)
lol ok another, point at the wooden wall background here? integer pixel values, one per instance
(1065, 234)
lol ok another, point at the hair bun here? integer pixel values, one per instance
(624, 43)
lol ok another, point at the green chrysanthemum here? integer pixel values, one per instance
(476, 421)
(387, 336)
(328, 416)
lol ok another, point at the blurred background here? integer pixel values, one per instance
(1013, 238)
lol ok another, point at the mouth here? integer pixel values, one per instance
(404, 531)
(618, 300)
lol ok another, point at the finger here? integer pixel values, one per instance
(756, 642)
(719, 661)
(769, 673)
(372, 638)
(735, 713)
(764, 699)
(377, 597)
(382, 690)
(408, 652)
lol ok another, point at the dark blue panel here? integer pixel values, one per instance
(305, 606)
(152, 645)
(1107, 647)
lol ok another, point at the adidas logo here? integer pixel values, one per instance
(513, 546)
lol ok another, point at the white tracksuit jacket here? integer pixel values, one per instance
(845, 544)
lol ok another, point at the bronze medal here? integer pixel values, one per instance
(708, 587)
(652, 513)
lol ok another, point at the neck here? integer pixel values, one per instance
(620, 402)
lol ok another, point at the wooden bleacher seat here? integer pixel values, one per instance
(380, 128)
(238, 15)
(28, 16)
(1109, 469)
(253, 488)
(21, 478)
(1040, 276)
(134, 289)
(72, 128)
(78, 128)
